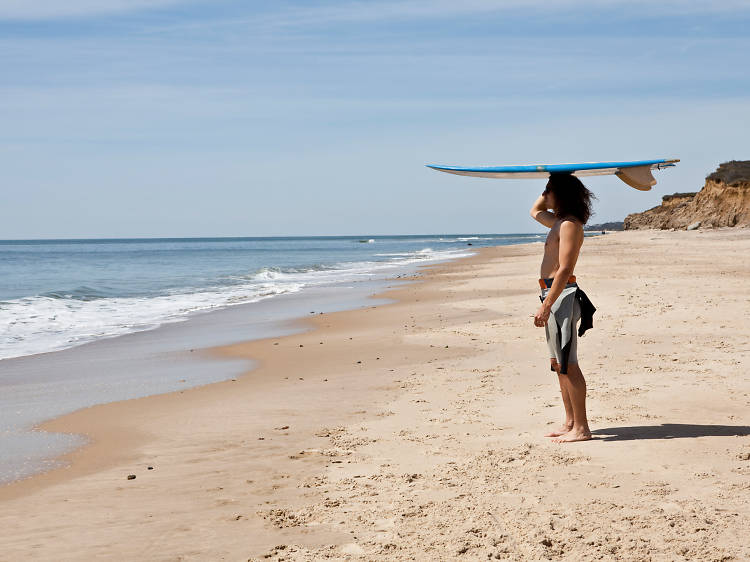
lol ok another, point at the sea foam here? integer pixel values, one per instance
(61, 319)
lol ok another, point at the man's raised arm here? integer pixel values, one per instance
(540, 213)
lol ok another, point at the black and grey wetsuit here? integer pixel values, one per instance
(562, 337)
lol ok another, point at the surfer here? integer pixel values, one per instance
(563, 303)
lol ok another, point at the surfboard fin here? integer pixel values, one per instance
(639, 177)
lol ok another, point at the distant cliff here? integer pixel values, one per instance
(617, 225)
(723, 201)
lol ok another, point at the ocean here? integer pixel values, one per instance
(56, 294)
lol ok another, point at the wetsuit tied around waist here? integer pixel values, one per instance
(561, 325)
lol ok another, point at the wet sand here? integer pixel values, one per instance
(40, 387)
(413, 430)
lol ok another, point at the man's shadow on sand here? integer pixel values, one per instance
(669, 431)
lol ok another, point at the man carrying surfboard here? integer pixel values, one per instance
(564, 304)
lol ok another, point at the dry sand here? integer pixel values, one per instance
(413, 430)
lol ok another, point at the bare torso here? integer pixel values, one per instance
(551, 259)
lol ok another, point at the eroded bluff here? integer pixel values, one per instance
(723, 201)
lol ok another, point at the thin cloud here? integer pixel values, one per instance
(292, 14)
(55, 9)
(302, 16)
(385, 10)
(359, 10)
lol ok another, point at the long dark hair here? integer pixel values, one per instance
(572, 197)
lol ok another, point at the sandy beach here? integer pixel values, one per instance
(414, 430)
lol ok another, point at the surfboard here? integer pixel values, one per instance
(636, 173)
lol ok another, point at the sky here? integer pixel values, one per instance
(130, 118)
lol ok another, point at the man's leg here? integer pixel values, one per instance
(576, 387)
(567, 425)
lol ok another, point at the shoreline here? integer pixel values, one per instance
(163, 359)
(421, 435)
(66, 463)
(199, 276)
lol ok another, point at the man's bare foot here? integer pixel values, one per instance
(574, 435)
(564, 428)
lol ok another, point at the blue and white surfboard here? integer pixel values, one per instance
(636, 174)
